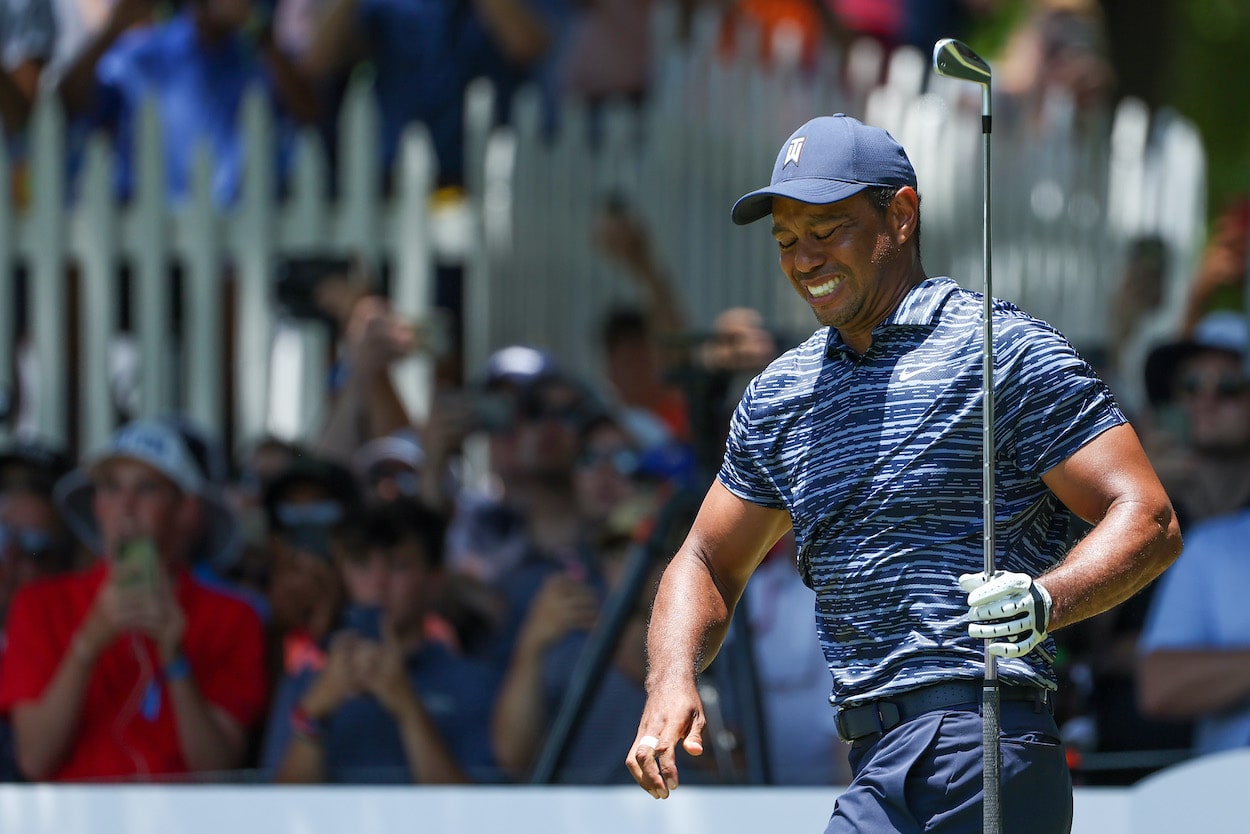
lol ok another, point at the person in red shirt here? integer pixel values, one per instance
(133, 668)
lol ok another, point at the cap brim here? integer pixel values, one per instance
(816, 190)
(220, 545)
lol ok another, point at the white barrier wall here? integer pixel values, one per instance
(1204, 795)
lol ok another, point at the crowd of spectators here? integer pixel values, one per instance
(416, 600)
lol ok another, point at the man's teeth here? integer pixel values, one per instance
(817, 290)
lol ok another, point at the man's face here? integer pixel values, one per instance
(839, 256)
(410, 584)
(132, 499)
(1213, 389)
(604, 475)
(546, 431)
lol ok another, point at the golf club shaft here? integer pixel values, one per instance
(990, 719)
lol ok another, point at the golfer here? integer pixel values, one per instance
(866, 439)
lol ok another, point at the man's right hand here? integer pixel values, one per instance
(673, 715)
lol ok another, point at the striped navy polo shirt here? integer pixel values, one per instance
(878, 460)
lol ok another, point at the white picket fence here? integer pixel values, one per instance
(1065, 209)
(1066, 204)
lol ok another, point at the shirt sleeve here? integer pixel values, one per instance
(31, 656)
(742, 472)
(1055, 401)
(231, 671)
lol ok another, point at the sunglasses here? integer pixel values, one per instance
(1225, 386)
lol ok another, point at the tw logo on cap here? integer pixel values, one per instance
(794, 150)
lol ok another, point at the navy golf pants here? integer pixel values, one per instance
(925, 775)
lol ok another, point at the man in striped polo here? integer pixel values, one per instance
(866, 439)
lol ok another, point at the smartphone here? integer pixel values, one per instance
(135, 564)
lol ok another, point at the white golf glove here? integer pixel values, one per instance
(1010, 606)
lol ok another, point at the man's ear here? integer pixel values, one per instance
(905, 213)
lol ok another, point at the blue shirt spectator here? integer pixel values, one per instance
(197, 68)
(425, 53)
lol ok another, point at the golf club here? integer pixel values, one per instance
(953, 59)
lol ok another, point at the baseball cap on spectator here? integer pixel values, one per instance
(518, 365)
(28, 462)
(397, 456)
(155, 443)
(826, 160)
(1222, 330)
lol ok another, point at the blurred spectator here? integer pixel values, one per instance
(609, 52)
(1057, 58)
(34, 541)
(1196, 429)
(635, 374)
(1220, 280)
(424, 55)
(196, 67)
(1195, 651)
(307, 592)
(530, 412)
(395, 701)
(371, 337)
(554, 635)
(793, 676)
(32, 464)
(390, 466)
(790, 32)
(78, 22)
(132, 668)
(622, 236)
(1200, 437)
(643, 345)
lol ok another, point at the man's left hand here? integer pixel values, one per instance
(1010, 606)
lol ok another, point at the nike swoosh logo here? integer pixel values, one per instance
(907, 374)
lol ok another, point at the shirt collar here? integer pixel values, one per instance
(918, 308)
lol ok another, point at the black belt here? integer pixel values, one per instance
(885, 714)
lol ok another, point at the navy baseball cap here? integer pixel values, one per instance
(826, 160)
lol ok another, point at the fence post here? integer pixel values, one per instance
(412, 288)
(148, 241)
(45, 238)
(96, 247)
(251, 238)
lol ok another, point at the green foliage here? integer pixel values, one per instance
(1210, 85)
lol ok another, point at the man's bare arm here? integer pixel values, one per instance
(702, 584)
(1110, 484)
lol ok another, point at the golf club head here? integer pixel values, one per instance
(954, 59)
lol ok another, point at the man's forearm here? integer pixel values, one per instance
(519, 719)
(429, 760)
(44, 730)
(689, 621)
(1123, 554)
(1184, 683)
(209, 741)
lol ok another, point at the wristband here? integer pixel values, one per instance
(305, 726)
(177, 669)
